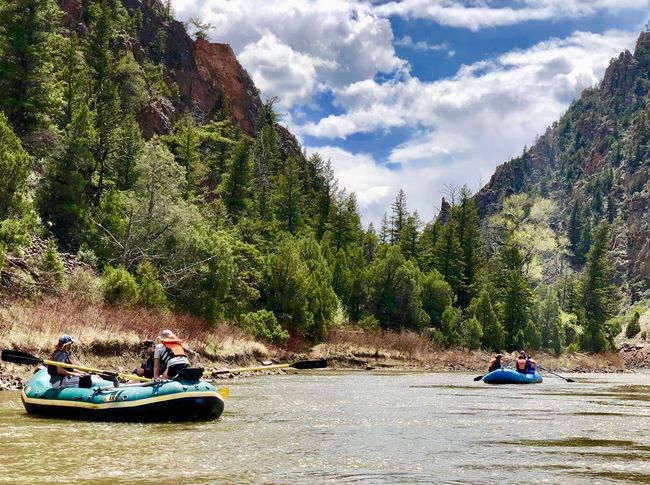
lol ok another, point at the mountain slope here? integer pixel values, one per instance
(595, 163)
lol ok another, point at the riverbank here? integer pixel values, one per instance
(341, 357)
(109, 338)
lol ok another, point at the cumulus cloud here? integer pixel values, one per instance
(478, 15)
(466, 125)
(286, 43)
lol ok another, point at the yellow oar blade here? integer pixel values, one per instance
(224, 392)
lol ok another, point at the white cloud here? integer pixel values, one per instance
(421, 45)
(478, 15)
(468, 124)
(315, 44)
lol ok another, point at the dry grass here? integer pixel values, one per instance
(108, 331)
(406, 345)
(108, 337)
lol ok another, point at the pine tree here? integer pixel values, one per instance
(344, 226)
(105, 101)
(409, 237)
(399, 216)
(129, 146)
(288, 198)
(237, 184)
(436, 296)
(384, 230)
(516, 308)
(184, 142)
(575, 227)
(611, 208)
(394, 292)
(548, 318)
(469, 237)
(597, 294)
(15, 208)
(585, 240)
(493, 332)
(428, 240)
(448, 256)
(30, 40)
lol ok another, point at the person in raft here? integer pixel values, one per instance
(170, 353)
(146, 368)
(495, 363)
(521, 364)
(61, 377)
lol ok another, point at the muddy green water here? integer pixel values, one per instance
(336, 427)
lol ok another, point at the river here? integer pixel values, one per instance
(357, 427)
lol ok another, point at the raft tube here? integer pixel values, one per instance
(163, 401)
(511, 376)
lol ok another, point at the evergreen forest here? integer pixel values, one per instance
(225, 225)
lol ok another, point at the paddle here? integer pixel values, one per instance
(28, 359)
(558, 375)
(302, 364)
(24, 358)
(478, 378)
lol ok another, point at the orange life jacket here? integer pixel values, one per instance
(174, 349)
(521, 364)
(531, 364)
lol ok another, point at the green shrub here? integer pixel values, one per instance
(369, 323)
(152, 294)
(87, 255)
(634, 327)
(119, 286)
(84, 286)
(264, 326)
(51, 265)
(472, 333)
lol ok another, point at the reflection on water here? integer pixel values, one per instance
(356, 427)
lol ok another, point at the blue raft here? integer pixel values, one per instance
(165, 401)
(511, 376)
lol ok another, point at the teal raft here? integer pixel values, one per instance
(183, 400)
(511, 376)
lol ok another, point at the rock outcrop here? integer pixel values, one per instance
(208, 76)
(607, 129)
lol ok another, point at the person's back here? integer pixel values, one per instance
(495, 363)
(171, 353)
(531, 365)
(521, 364)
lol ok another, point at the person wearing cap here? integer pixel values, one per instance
(171, 354)
(495, 363)
(148, 348)
(521, 364)
(61, 377)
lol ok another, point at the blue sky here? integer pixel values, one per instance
(423, 95)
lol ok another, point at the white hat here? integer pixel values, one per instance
(166, 334)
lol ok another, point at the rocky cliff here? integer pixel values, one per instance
(208, 75)
(596, 159)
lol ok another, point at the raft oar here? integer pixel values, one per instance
(24, 358)
(302, 364)
(558, 375)
(478, 378)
